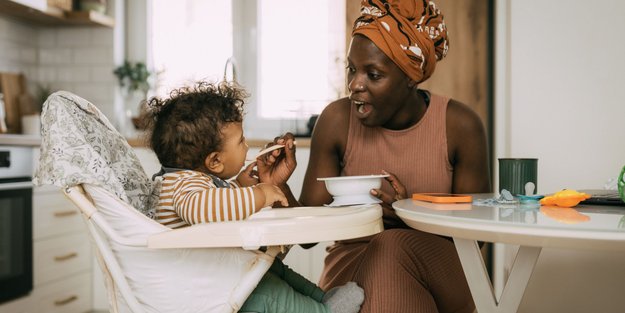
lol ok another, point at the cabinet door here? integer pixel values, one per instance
(61, 256)
(70, 295)
(53, 214)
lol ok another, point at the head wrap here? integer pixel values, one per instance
(412, 33)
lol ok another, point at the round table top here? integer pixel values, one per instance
(584, 226)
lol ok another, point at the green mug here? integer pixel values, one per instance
(519, 176)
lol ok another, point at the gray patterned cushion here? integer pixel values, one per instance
(79, 145)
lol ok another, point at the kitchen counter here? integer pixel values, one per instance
(19, 140)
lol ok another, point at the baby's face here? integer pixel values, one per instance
(234, 149)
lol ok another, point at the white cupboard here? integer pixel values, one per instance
(61, 257)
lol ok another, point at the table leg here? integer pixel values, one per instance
(479, 281)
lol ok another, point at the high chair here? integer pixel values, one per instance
(148, 267)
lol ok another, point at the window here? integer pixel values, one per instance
(300, 46)
(289, 54)
(191, 39)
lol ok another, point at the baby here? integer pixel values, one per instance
(197, 135)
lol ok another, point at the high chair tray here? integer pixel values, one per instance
(284, 226)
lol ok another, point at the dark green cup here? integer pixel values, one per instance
(515, 174)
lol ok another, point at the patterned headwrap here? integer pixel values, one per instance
(412, 33)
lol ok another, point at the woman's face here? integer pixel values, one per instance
(380, 91)
(234, 149)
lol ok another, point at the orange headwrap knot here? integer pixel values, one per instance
(412, 33)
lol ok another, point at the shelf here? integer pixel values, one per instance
(92, 18)
(54, 16)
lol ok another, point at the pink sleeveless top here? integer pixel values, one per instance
(418, 155)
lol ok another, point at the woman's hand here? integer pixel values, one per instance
(248, 177)
(276, 167)
(398, 188)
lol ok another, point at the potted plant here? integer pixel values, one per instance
(92, 5)
(133, 78)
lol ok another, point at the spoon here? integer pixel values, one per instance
(267, 150)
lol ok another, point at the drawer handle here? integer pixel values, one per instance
(65, 213)
(61, 258)
(66, 300)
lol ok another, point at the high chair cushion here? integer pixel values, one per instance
(79, 145)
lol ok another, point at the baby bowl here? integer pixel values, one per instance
(352, 190)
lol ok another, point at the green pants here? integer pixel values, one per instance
(282, 290)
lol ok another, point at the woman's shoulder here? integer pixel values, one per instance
(462, 117)
(335, 116)
(337, 110)
(332, 125)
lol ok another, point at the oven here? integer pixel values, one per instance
(16, 240)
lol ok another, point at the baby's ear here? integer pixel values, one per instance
(214, 163)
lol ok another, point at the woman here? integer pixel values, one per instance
(426, 142)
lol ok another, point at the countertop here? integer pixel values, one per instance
(35, 141)
(19, 140)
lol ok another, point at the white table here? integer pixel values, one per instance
(582, 227)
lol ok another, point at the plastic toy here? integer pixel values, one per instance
(565, 198)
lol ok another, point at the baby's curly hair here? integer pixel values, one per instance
(184, 128)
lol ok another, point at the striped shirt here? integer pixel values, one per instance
(190, 197)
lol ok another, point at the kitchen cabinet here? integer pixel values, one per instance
(52, 16)
(61, 257)
(62, 254)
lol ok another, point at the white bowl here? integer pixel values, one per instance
(352, 190)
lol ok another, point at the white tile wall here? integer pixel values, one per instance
(17, 47)
(77, 59)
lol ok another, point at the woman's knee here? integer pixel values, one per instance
(397, 240)
(408, 247)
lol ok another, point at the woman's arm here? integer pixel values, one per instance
(327, 147)
(468, 150)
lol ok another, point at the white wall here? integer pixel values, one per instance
(77, 59)
(18, 52)
(566, 90)
(560, 85)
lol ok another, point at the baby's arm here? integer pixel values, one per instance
(264, 194)
(198, 200)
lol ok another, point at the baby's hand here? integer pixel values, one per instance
(248, 177)
(272, 194)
